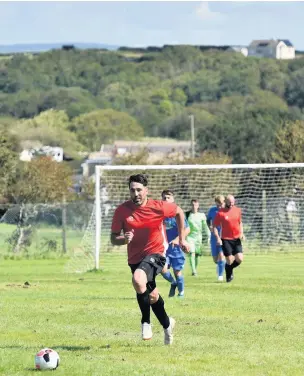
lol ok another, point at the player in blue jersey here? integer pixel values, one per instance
(216, 250)
(174, 254)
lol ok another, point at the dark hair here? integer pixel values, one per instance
(167, 192)
(139, 178)
(194, 200)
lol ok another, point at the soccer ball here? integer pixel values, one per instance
(47, 359)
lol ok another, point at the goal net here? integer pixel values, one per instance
(270, 196)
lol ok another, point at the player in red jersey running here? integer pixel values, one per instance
(140, 220)
(229, 219)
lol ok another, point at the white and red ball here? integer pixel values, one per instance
(47, 359)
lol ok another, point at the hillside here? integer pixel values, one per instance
(240, 105)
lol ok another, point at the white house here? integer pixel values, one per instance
(242, 49)
(272, 48)
(56, 153)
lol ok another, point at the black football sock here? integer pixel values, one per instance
(159, 311)
(235, 264)
(144, 305)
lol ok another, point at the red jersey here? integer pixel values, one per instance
(229, 220)
(147, 223)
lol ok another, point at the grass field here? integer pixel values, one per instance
(252, 326)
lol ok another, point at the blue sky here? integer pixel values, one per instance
(146, 23)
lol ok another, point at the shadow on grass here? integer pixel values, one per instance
(57, 348)
(72, 348)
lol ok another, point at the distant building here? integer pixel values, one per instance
(100, 158)
(68, 47)
(152, 146)
(156, 149)
(242, 49)
(55, 152)
(272, 48)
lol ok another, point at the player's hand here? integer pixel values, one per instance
(129, 236)
(243, 237)
(219, 242)
(184, 246)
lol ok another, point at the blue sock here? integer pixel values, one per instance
(180, 283)
(221, 267)
(168, 277)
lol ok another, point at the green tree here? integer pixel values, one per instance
(8, 161)
(48, 128)
(117, 95)
(272, 78)
(73, 100)
(104, 126)
(295, 89)
(43, 181)
(289, 143)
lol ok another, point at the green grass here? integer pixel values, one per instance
(252, 326)
(41, 236)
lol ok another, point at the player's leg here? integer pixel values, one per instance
(168, 323)
(192, 256)
(168, 276)
(220, 264)
(178, 266)
(139, 281)
(237, 253)
(157, 302)
(228, 252)
(198, 252)
(218, 258)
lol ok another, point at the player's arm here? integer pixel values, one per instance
(117, 227)
(117, 239)
(216, 223)
(242, 231)
(205, 226)
(242, 236)
(180, 220)
(209, 221)
(187, 232)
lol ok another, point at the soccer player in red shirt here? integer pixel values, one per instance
(229, 219)
(140, 220)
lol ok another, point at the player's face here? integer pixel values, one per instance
(220, 204)
(168, 198)
(138, 193)
(229, 202)
(195, 206)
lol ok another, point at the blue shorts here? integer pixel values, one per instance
(176, 263)
(215, 249)
(175, 257)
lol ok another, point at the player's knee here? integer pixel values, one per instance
(139, 281)
(177, 273)
(153, 296)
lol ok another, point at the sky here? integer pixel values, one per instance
(147, 23)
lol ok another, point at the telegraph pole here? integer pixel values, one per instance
(192, 136)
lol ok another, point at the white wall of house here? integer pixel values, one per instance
(285, 52)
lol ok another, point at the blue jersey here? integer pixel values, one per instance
(210, 217)
(172, 233)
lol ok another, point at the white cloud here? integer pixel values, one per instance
(204, 13)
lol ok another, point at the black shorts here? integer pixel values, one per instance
(232, 247)
(152, 265)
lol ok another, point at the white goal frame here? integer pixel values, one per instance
(99, 169)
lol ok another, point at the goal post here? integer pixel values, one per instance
(270, 196)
